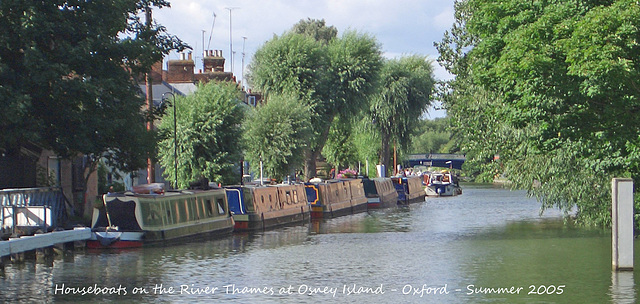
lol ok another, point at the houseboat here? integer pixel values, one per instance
(380, 193)
(149, 215)
(261, 207)
(442, 183)
(335, 198)
(410, 189)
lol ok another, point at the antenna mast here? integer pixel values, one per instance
(211, 33)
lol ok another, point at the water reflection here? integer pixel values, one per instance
(623, 289)
(485, 238)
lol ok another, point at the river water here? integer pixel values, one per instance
(444, 250)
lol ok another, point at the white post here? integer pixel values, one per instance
(261, 182)
(622, 223)
(367, 167)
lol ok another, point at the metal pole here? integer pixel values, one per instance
(204, 52)
(231, 37)
(151, 172)
(244, 41)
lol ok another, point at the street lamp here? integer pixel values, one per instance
(175, 140)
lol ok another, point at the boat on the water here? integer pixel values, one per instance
(150, 215)
(442, 183)
(333, 198)
(410, 189)
(380, 193)
(260, 207)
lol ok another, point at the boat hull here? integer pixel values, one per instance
(336, 198)
(134, 239)
(442, 190)
(264, 207)
(410, 189)
(380, 193)
(254, 221)
(338, 209)
(127, 220)
(119, 240)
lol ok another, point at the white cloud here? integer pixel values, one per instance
(402, 27)
(444, 20)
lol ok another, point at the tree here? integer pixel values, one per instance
(432, 136)
(331, 78)
(340, 150)
(550, 88)
(67, 78)
(316, 29)
(405, 91)
(277, 138)
(208, 135)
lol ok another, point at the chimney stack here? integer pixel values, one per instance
(214, 62)
(181, 70)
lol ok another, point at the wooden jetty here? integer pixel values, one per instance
(26, 211)
(37, 241)
(15, 248)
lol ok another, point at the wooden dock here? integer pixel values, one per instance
(45, 240)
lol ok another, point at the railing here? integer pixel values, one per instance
(44, 208)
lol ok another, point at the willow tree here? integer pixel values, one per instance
(67, 71)
(331, 77)
(550, 87)
(405, 91)
(208, 135)
(277, 138)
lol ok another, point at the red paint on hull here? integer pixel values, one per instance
(374, 205)
(241, 225)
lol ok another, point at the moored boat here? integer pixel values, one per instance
(133, 219)
(442, 183)
(410, 189)
(335, 198)
(380, 193)
(262, 207)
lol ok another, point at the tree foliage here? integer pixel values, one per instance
(551, 88)
(316, 29)
(67, 73)
(405, 91)
(277, 138)
(332, 75)
(340, 149)
(208, 135)
(432, 136)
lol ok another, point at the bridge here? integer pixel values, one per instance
(454, 161)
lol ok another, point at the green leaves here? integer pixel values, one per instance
(405, 91)
(277, 133)
(208, 135)
(66, 77)
(330, 75)
(558, 99)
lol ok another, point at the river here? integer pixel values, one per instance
(488, 245)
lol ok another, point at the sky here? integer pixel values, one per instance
(403, 27)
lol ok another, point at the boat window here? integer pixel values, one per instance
(288, 196)
(295, 196)
(209, 207)
(220, 203)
